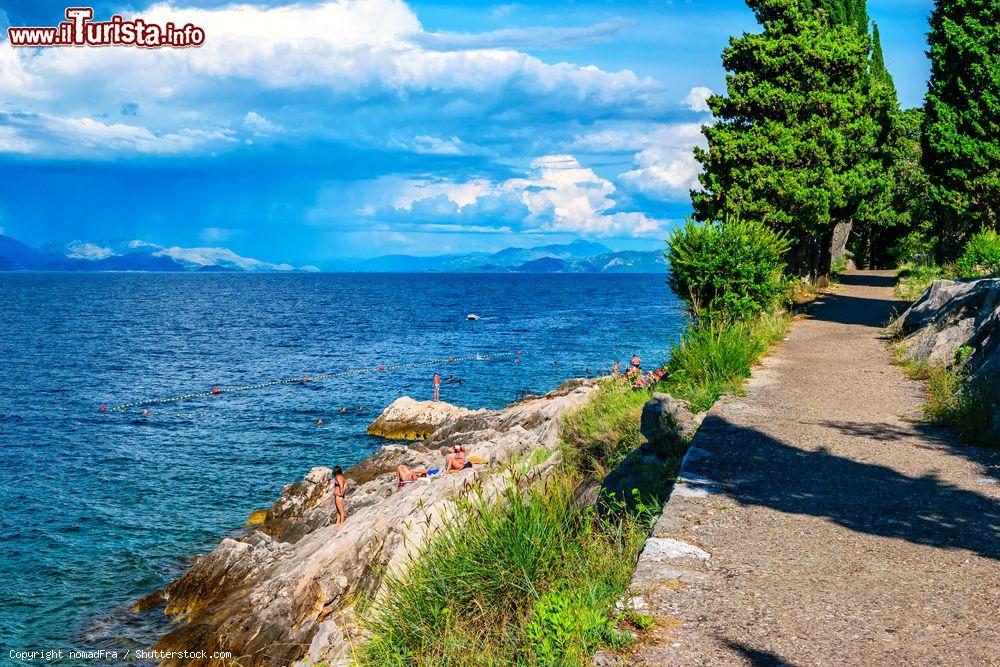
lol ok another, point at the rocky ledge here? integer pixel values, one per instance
(958, 322)
(407, 419)
(285, 591)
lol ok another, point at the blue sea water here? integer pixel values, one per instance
(98, 509)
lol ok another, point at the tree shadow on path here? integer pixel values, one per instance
(760, 470)
(756, 657)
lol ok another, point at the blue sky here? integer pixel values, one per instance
(306, 132)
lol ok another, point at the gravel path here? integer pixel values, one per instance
(833, 527)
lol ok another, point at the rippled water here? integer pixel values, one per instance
(98, 509)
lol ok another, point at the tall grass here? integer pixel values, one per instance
(913, 279)
(600, 435)
(532, 581)
(715, 359)
(955, 401)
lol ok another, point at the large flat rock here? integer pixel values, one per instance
(407, 419)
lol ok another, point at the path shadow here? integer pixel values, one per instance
(866, 280)
(846, 309)
(760, 470)
(756, 657)
(935, 435)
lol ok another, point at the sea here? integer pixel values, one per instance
(99, 508)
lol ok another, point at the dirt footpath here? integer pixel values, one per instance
(819, 523)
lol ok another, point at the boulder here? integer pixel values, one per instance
(668, 423)
(407, 419)
(285, 592)
(295, 500)
(955, 314)
(947, 317)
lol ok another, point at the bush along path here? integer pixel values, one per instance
(818, 521)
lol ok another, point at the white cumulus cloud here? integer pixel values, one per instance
(334, 70)
(697, 99)
(557, 195)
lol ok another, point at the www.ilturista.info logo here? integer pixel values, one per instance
(80, 30)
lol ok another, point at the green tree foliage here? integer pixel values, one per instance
(981, 257)
(886, 215)
(877, 67)
(728, 271)
(962, 119)
(790, 148)
(853, 13)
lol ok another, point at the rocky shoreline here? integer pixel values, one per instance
(285, 592)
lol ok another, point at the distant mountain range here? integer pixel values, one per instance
(126, 256)
(576, 257)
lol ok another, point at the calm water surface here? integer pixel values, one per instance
(98, 509)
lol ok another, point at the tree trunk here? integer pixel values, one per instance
(824, 258)
(841, 235)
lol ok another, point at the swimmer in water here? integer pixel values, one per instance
(319, 422)
(360, 408)
(343, 409)
(145, 412)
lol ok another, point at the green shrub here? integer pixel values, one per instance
(730, 270)
(981, 258)
(564, 627)
(916, 247)
(713, 359)
(839, 265)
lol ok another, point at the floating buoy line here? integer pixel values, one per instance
(216, 391)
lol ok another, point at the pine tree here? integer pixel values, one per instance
(789, 147)
(962, 119)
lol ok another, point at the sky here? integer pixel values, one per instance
(306, 132)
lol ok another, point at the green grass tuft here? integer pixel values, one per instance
(713, 360)
(953, 400)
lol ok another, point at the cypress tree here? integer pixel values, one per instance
(789, 147)
(878, 70)
(961, 125)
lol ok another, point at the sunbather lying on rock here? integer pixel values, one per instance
(404, 475)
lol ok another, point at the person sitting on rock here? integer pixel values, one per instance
(404, 475)
(455, 461)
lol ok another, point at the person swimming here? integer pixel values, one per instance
(319, 422)
(343, 410)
